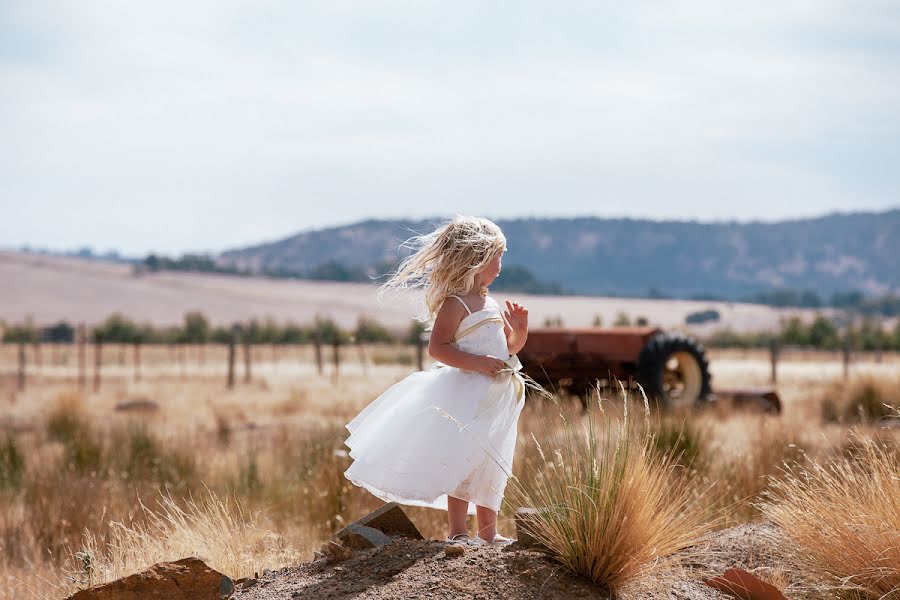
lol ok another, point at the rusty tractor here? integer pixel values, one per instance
(671, 367)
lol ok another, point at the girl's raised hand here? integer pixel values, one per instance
(516, 315)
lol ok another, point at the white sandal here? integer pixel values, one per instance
(461, 538)
(498, 540)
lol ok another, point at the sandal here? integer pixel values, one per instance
(461, 538)
(498, 540)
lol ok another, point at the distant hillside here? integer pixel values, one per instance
(834, 253)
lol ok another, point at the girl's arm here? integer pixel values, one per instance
(516, 326)
(442, 348)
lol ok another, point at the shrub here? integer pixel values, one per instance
(609, 505)
(66, 424)
(865, 400)
(12, 464)
(844, 517)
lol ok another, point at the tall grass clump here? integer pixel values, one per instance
(66, 423)
(865, 400)
(610, 506)
(12, 464)
(219, 530)
(845, 518)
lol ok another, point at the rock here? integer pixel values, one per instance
(186, 579)
(248, 583)
(454, 550)
(740, 584)
(389, 519)
(226, 587)
(335, 552)
(525, 517)
(138, 404)
(360, 537)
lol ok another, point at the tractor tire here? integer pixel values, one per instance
(673, 370)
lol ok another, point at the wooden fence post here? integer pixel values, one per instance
(21, 365)
(247, 359)
(317, 345)
(420, 352)
(845, 351)
(82, 358)
(336, 356)
(231, 353)
(137, 360)
(774, 351)
(98, 359)
(37, 350)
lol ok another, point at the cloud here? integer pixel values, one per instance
(209, 124)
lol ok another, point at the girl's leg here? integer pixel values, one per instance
(487, 522)
(457, 511)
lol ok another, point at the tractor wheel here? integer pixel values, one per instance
(673, 371)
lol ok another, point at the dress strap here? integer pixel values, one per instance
(461, 301)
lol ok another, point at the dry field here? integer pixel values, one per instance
(251, 477)
(50, 289)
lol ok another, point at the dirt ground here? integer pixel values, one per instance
(420, 569)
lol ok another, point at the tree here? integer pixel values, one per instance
(622, 320)
(370, 331)
(117, 329)
(196, 328)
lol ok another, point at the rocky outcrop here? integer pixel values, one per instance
(186, 579)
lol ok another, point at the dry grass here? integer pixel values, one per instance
(867, 399)
(221, 530)
(610, 506)
(273, 455)
(844, 517)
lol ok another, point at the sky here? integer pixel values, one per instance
(174, 126)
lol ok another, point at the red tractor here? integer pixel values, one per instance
(670, 366)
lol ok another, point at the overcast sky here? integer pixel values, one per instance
(175, 125)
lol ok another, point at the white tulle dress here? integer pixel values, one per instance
(445, 430)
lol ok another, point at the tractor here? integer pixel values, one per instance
(671, 367)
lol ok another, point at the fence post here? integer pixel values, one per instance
(247, 359)
(336, 356)
(317, 345)
(37, 351)
(137, 360)
(21, 365)
(774, 350)
(420, 351)
(231, 343)
(98, 359)
(82, 358)
(845, 351)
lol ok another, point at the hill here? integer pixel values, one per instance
(829, 254)
(52, 288)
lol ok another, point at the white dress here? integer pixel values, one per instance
(445, 430)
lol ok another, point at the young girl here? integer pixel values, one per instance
(445, 437)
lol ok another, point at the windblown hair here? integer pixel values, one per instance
(445, 261)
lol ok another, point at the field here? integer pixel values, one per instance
(165, 461)
(263, 461)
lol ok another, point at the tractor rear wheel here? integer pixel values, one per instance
(673, 370)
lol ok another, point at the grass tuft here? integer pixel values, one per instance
(845, 517)
(610, 505)
(219, 530)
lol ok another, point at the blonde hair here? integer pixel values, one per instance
(445, 261)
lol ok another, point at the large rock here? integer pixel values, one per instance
(360, 537)
(390, 520)
(186, 579)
